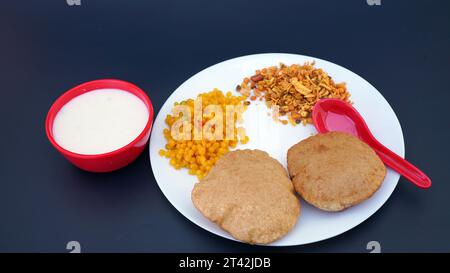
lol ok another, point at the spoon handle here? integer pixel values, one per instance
(403, 167)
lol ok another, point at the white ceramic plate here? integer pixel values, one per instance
(313, 225)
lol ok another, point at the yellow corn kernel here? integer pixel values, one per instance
(245, 140)
(173, 162)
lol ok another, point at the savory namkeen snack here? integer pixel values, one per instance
(293, 89)
(334, 171)
(248, 194)
(198, 156)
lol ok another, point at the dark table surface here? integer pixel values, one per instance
(47, 47)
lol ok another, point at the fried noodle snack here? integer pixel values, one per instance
(293, 89)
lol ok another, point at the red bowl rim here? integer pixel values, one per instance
(53, 111)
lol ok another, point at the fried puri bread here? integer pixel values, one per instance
(248, 194)
(334, 171)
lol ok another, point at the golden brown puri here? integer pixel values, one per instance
(248, 194)
(334, 171)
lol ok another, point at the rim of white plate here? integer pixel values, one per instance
(401, 151)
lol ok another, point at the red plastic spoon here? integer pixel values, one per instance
(337, 115)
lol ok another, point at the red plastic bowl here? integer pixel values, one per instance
(110, 161)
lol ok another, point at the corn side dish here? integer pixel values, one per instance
(198, 156)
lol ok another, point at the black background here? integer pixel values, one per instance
(47, 47)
